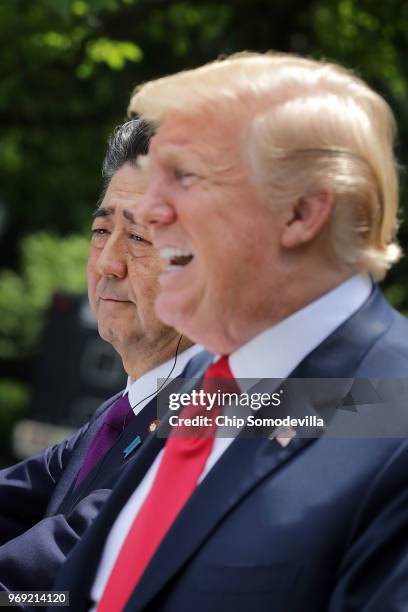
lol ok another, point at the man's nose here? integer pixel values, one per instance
(155, 207)
(112, 260)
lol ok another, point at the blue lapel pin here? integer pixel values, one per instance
(134, 444)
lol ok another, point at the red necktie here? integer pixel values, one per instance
(182, 463)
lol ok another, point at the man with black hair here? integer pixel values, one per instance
(48, 500)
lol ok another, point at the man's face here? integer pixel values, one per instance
(123, 269)
(219, 244)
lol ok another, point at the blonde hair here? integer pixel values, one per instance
(311, 126)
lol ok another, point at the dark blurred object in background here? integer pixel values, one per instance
(76, 371)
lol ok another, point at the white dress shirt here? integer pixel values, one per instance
(274, 353)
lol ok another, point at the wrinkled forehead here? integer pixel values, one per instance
(127, 184)
(204, 135)
(175, 133)
(128, 180)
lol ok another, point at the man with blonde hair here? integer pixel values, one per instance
(273, 200)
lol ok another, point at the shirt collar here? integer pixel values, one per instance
(142, 390)
(277, 351)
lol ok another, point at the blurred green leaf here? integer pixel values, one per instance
(113, 53)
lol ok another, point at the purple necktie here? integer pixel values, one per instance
(119, 415)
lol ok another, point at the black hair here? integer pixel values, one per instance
(125, 144)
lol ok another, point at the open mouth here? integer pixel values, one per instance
(175, 258)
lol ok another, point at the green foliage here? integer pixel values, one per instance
(68, 67)
(367, 36)
(113, 53)
(48, 263)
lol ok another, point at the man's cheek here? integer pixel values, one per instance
(92, 294)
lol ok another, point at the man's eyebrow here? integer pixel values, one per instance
(102, 211)
(130, 217)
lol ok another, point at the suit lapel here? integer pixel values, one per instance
(66, 482)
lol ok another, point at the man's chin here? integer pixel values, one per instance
(111, 333)
(106, 334)
(121, 342)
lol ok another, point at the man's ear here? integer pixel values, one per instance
(308, 217)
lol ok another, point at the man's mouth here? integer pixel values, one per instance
(108, 298)
(175, 258)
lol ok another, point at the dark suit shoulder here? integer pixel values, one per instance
(388, 356)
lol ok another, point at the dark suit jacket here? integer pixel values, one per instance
(321, 525)
(41, 514)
